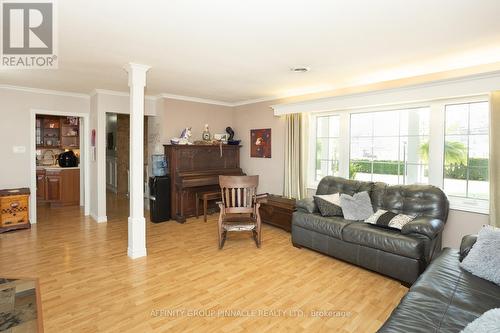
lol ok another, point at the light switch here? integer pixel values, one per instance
(19, 149)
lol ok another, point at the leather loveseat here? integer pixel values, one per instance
(403, 255)
(445, 298)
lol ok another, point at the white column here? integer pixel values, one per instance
(136, 221)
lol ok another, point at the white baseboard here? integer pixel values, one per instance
(136, 253)
(99, 219)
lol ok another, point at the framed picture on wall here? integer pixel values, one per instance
(260, 143)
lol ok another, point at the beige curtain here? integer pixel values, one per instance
(495, 158)
(295, 155)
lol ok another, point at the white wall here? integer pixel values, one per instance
(15, 106)
(103, 102)
(94, 202)
(15, 129)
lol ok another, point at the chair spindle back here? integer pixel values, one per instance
(238, 193)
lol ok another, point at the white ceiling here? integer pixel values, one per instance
(233, 51)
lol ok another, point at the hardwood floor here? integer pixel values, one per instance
(88, 284)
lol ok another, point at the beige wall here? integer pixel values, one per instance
(271, 171)
(174, 115)
(462, 223)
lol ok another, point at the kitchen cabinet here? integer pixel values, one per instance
(57, 132)
(53, 186)
(61, 186)
(40, 185)
(69, 132)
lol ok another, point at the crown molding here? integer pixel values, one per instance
(479, 82)
(118, 94)
(260, 100)
(112, 93)
(293, 105)
(44, 91)
(195, 99)
(135, 66)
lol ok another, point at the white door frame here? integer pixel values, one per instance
(84, 156)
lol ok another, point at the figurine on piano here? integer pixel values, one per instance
(230, 140)
(183, 139)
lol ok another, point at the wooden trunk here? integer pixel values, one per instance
(277, 211)
(195, 169)
(14, 209)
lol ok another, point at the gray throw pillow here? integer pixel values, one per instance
(357, 207)
(483, 259)
(487, 322)
(329, 204)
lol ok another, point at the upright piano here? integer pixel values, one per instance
(195, 169)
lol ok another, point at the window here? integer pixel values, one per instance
(444, 143)
(390, 146)
(466, 150)
(327, 143)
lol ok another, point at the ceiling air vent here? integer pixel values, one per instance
(300, 69)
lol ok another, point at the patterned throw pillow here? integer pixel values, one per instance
(329, 204)
(388, 219)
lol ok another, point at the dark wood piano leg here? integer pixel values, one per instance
(180, 217)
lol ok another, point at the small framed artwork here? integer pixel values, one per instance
(260, 140)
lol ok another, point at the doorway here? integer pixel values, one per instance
(118, 162)
(59, 162)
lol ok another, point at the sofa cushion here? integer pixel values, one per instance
(306, 205)
(444, 299)
(466, 245)
(416, 200)
(331, 226)
(387, 240)
(331, 184)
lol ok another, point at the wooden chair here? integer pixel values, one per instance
(239, 209)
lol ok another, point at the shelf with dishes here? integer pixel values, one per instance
(53, 132)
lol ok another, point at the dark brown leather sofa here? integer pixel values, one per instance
(445, 298)
(403, 255)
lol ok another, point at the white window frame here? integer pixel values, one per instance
(463, 203)
(436, 144)
(315, 133)
(391, 109)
